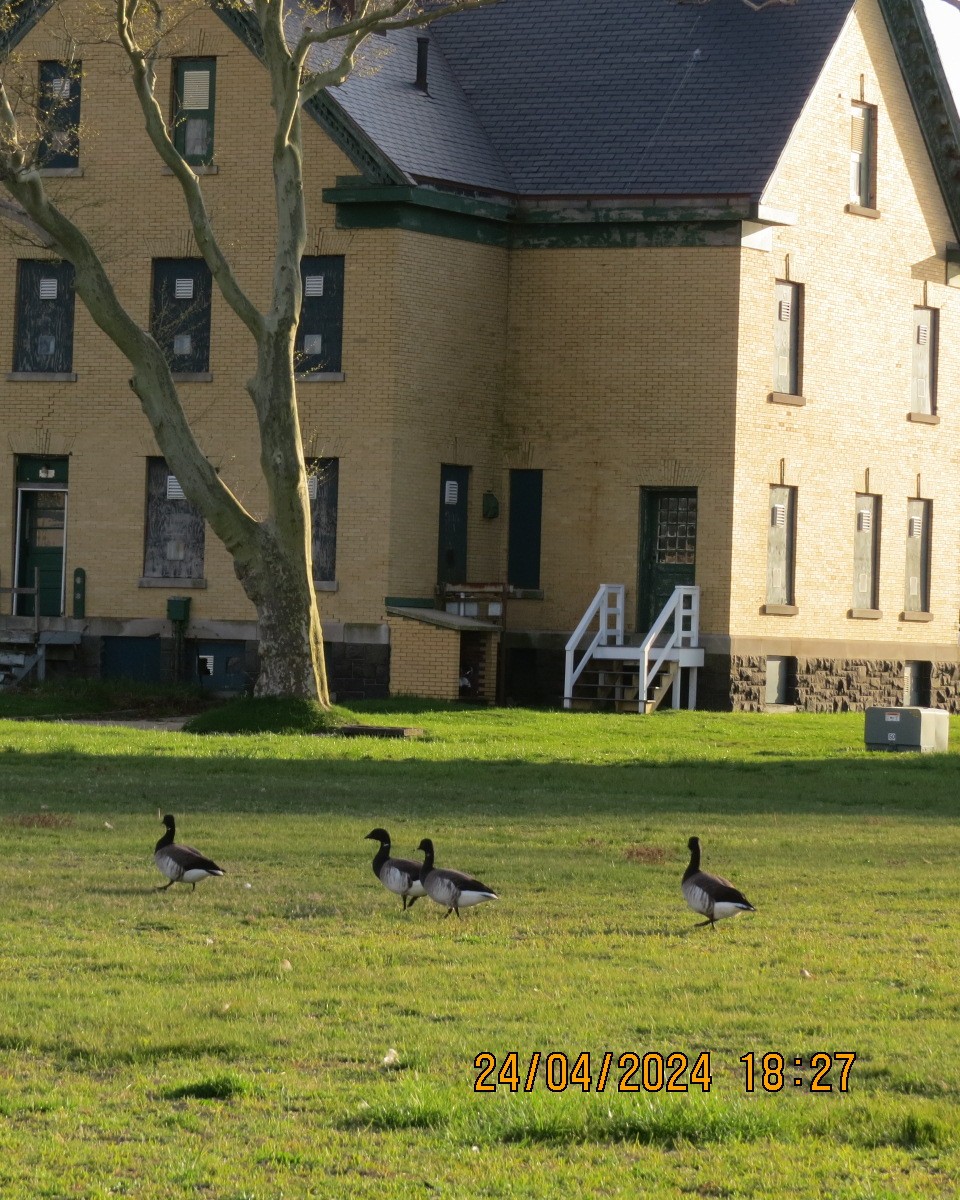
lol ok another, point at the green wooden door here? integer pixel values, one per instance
(668, 548)
(452, 539)
(42, 529)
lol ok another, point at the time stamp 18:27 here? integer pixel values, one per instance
(654, 1072)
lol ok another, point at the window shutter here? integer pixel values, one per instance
(320, 332)
(451, 491)
(313, 285)
(183, 289)
(196, 89)
(174, 490)
(922, 399)
(48, 289)
(786, 359)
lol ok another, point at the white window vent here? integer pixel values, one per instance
(451, 492)
(864, 520)
(174, 490)
(786, 307)
(778, 516)
(312, 485)
(204, 664)
(182, 345)
(915, 527)
(923, 334)
(914, 585)
(313, 343)
(183, 289)
(48, 289)
(196, 89)
(313, 285)
(863, 582)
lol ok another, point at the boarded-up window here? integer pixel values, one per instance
(780, 545)
(45, 302)
(193, 108)
(323, 478)
(917, 581)
(866, 551)
(58, 114)
(863, 154)
(318, 347)
(786, 338)
(923, 381)
(526, 512)
(174, 529)
(180, 314)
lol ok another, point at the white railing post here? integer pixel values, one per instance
(607, 603)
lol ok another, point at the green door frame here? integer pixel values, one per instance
(35, 478)
(657, 575)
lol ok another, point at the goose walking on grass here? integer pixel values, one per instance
(452, 889)
(398, 875)
(710, 895)
(181, 864)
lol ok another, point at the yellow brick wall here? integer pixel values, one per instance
(621, 375)
(861, 280)
(424, 660)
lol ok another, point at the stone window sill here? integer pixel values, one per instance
(779, 610)
(42, 377)
(192, 376)
(60, 172)
(321, 377)
(858, 210)
(151, 581)
(865, 614)
(326, 585)
(196, 168)
(525, 593)
(923, 418)
(916, 616)
(786, 398)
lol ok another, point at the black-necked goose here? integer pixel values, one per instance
(398, 875)
(452, 889)
(181, 864)
(710, 895)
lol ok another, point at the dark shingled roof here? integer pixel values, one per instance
(599, 97)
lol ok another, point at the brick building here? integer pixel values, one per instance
(667, 299)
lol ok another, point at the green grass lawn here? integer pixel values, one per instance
(230, 1043)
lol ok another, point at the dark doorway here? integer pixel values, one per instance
(668, 548)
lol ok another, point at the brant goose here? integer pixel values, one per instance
(181, 864)
(452, 889)
(398, 875)
(710, 895)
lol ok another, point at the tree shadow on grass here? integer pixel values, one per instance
(70, 782)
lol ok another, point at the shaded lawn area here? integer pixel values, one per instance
(231, 1042)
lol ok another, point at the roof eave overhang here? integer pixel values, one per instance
(930, 94)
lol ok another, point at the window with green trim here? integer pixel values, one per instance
(194, 90)
(319, 338)
(58, 113)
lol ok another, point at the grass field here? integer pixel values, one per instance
(230, 1043)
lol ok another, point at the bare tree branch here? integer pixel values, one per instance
(144, 82)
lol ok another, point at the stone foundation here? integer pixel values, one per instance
(841, 685)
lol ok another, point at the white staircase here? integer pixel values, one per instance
(606, 672)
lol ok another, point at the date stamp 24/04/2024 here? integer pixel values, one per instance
(655, 1072)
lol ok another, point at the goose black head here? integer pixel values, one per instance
(378, 835)
(168, 821)
(693, 844)
(426, 846)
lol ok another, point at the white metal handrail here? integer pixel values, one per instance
(684, 607)
(607, 605)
